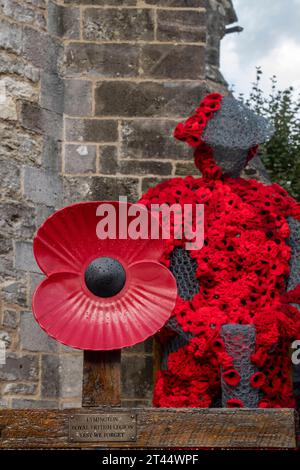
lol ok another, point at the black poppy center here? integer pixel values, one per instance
(105, 277)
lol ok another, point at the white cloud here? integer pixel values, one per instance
(271, 39)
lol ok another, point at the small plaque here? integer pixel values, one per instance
(100, 427)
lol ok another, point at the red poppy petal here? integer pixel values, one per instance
(153, 288)
(77, 318)
(67, 240)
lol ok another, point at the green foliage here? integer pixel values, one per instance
(281, 155)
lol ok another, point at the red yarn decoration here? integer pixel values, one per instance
(234, 403)
(242, 271)
(257, 380)
(191, 132)
(231, 377)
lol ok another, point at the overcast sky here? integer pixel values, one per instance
(271, 39)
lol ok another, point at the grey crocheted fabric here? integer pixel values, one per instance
(294, 242)
(235, 126)
(240, 344)
(293, 281)
(232, 131)
(184, 268)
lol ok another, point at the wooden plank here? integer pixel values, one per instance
(167, 428)
(101, 378)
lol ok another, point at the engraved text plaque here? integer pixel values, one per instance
(97, 427)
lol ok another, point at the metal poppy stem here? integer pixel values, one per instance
(101, 378)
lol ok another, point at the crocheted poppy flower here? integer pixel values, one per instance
(191, 131)
(257, 379)
(99, 294)
(231, 377)
(235, 403)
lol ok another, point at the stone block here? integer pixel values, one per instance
(41, 49)
(32, 337)
(78, 97)
(95, 188)
(80, 158)
(8, 109)
(71, 375)
(213, 56)
(17, 65)
(150, 182)
(91, 130)
(169, 99)
(21, 403)
(186, 168)
(118, 24)
(177, 3)
(20, 146)
(5, 339)
(137, 167)
(15, 292)
(25, 367)
(63, 22)
(10, 36)
(103, 2)
(108, 160)
(10, 86)
(42, 213)
(50, 376)
(70, 404)
(22, 14)
(168, 61)
(181, 26)
(17, 220)
(41, 120)
(43, 187)
(110, 188)
(10, 178)
(20, 389)
(151, 139)
(10, 319)
(101, 60)
(24, 259)
(4, 403)
(51, 154)
(52, 92)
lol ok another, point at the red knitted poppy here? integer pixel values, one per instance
(242, 271)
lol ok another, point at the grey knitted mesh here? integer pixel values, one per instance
(294, 242)
(234, 126)
(293, 281)
(240, 345)
(184, 268)
(231, 161)
(232, 131)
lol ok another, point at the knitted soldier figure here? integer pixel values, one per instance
(227, 343)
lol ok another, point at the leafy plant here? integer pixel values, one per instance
(281, 155)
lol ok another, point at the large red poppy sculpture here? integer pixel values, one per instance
(99, 294)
